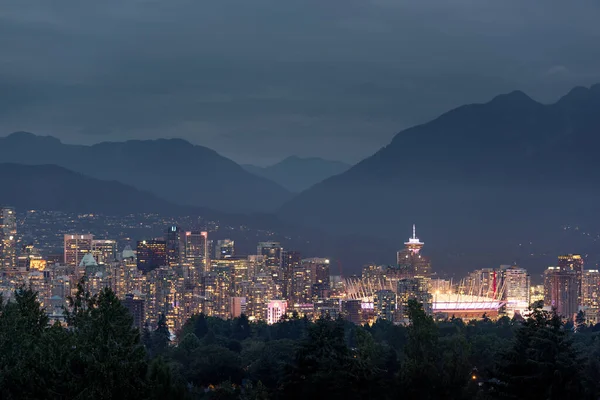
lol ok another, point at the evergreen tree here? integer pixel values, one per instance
(108, 360)
(161, 337)
(541, 363)
(200, 326)
(580, 325)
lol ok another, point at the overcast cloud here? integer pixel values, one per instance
(258, 80)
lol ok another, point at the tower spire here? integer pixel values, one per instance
(414, 232)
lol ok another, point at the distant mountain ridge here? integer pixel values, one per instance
(480, 181)
(297, 174)
(50, 187)
(173, 169)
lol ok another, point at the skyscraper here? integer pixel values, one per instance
(560, 291)
(225, 249)
(104, 251)
(290, 260)
(8, 239)
(573, 262)
(319, 276)
(175, 251)
(411, 263)
(151, 254)
(196, 250)
(76, 247)
(272, 253)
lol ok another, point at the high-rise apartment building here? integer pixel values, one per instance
(561, 290)
(197, 250)
(8, 239)
(76, 247)
(573, 262)
(137, 309)
(516, 282)
(384, 304)
(175, 252)
(290, 260)
(413, 289)
(225, 249)
(151, 254)
(411, 263)
(319, 276)
(591, 295)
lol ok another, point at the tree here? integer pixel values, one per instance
(164, 382)
(419, 374)
(241, 328)
(161, 337)
(107, 359)
(580, 324)
(541, 363)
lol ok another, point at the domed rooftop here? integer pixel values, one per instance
(88, 261)
(128, 253)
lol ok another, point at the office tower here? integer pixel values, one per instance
(196, 250)
(275, 310)
(411, 262)
(573, 262)
(30, 259)
(225, 249)
(76, 247)
(272, 253)
(290, 260)
(516, 284)
(384, 304)
(104, 251)
(591, 295)
(151, 254)
(8, 239)
(137, 309)
(413, 289)
(174, 241)
(560, 291)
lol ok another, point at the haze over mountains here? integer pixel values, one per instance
(173, 169)
(50, 187)
(297, 174)
(481, 181)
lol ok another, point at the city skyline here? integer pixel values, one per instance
(185, 272)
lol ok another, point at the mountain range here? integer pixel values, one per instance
(50, 187)
(485, 183)
(173, 169)
(297, 174)
(508, 181)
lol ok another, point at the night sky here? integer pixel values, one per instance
(259, 80)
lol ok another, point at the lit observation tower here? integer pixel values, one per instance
(414, 245)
